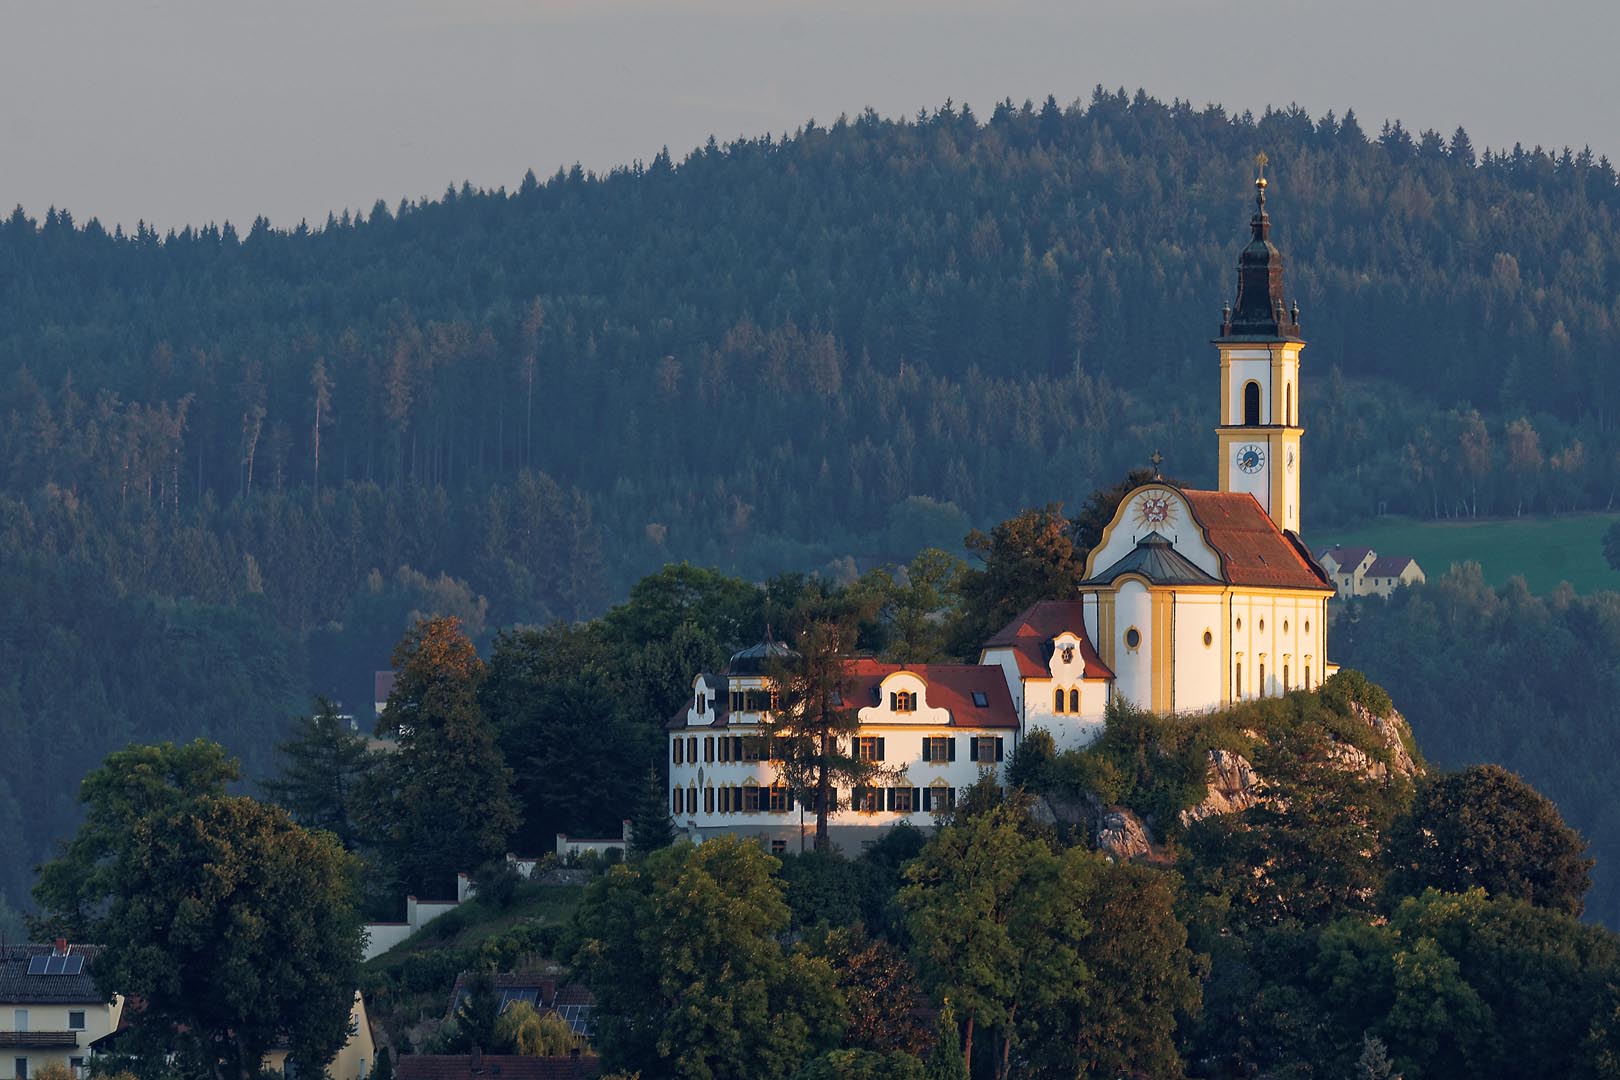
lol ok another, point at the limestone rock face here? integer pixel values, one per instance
(1120, 834)
(1233, 787)
(1391, 728)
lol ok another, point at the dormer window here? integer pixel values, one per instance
(702, 704)
(902, 701)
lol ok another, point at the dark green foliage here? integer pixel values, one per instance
(650, 824)
(1484, 827)
(442, 799)
(473, 1024)
(323, 773)
(862, 1065)
(384, 1069)
(945, 1060)
(1611, 545)
(683, 954)
(1498, 675)
(235, 927)
(1026, 558)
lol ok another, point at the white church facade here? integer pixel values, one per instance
(1191, 601)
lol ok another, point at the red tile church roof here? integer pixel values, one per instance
(1253, 550)
(1029, 635)
(950, 686)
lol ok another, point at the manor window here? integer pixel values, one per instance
(900, 800)
(866, 800)
(676, 800)
(678, 749)
(903, 701)
(939, 749)
(868, 748)
(708, 800)
(750, 799)
(778, 847)
(779, 801)
(985, 749)
(708, 748)
(691, 749)
(753, 749)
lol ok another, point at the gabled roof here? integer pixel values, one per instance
(1156, 559)
(1345, 556)
(1389, 565)
(1029, 635)
(495, 1067)
(1253, 550)
(17, 987)
(950, 687)
(382, 684)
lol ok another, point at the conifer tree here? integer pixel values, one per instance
(945, 1060)
(650, 825)
(323, 772)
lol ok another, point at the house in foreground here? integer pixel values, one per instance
(50, 1009)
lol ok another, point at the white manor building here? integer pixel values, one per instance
(1191, 601)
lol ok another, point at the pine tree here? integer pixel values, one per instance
(650, 826)
(324, 769)
(945, 1060)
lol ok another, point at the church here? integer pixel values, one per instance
(1192, 601)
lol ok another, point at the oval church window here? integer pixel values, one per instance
(1209, 639)
(1133, 638)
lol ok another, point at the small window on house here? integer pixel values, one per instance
(753, 749)
(778, 847)
(866, 800)
(939, 749)
(981, 699)
(1058, 699)
(903, 701)
(691, 749)
(708, 800)
(702, 704)
(708, 748)
(902, 800)
(986, 749)
(750, 801)
(21, 1067)
(1133, 638)
(1209, 639)
(779, 799)
(1074, 699)
(679, 751)
(868, 748)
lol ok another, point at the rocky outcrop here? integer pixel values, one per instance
(1233, 787)
(1395, 732)
(1121, 834)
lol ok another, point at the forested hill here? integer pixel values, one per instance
(232, 464)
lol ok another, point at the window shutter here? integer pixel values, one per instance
(880, 748)
(916, 797)
(790, 798)
(736, 799)
(736, 748)
(973, 749)
(927, 798)
(998, 749)
(928, 749)
(951, 749)
(950, 798)
(888, 798)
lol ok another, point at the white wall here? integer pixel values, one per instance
(1199, 667)
(1133, 668)
(1273, 630)
(1179, 528)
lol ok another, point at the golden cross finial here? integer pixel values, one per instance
(1261, 161)
(1157, 459)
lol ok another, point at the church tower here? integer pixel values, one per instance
(1259, 344)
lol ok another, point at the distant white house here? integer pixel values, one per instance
(1361, 571)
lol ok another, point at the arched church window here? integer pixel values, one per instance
(1262, 678)
(1074, 700)
(1057, 700)
(1251, 403)
(1288, 404)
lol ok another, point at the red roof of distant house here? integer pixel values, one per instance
(382, 684)
(492, 1066)
(950, 686)
(1029, 635)
(1253, 550)
(1389, 566)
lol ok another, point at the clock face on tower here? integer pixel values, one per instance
(1251, 457)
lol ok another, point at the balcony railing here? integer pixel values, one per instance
(40, 1040)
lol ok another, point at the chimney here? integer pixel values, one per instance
(477, 1061)
(61, 946)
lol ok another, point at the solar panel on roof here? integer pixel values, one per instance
(56, 965)
(75, 966)
(36, 965)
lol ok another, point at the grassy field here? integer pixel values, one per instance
(1543, 550)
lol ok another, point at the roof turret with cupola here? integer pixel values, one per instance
(1261, 312)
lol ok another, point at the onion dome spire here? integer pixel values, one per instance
(1260, 310)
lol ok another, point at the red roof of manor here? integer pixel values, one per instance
(1253, 550)
(491, 1066)
(1030, 635)
(950, 686)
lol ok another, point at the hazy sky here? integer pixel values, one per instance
(195, 110)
